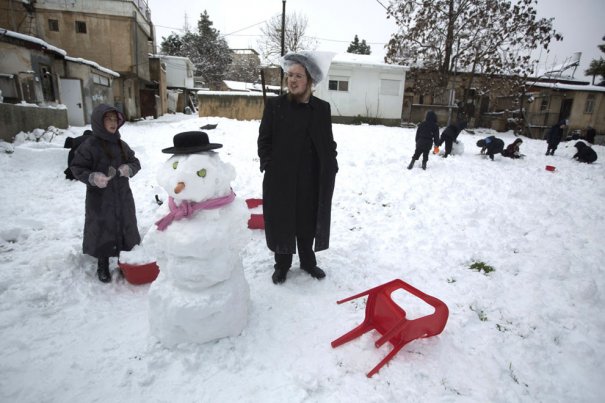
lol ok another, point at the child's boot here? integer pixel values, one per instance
(103, 270)
(424, 165)
(411, 164)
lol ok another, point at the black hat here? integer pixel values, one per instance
(190, 143)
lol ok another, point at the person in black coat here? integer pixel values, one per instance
(491, 145)
(73, 144)
(450, 135)
(590, 134)
(427, 134)
(585, 153)
(554, 136)
(297, 154)
(513, 149)
(104, 162)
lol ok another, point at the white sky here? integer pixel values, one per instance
(335, 23)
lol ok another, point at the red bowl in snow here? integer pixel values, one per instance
(550, 168)
(139, 273)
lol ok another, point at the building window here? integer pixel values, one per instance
(53, 25)
(589, 107)
(389, 87)
(544, 104)
(338, 84)
(99, 79)
(80, 27)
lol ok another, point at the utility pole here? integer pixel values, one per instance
(283, 35)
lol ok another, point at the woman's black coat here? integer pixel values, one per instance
(110, 224)
(281, 145)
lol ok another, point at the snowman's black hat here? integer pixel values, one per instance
(191, 143)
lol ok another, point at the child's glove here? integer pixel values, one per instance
(436, 150)
(124, 170)
(98, 179)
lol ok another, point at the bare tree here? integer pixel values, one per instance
(294, 40)
(490, 37)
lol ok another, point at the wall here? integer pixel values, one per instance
(179, 72)
(233, 105)
(363, 98)
(93, 94)
(15, 119)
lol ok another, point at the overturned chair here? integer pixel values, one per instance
(389, 319)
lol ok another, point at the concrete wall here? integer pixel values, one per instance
(15, 119)
(234, 105)
(94, 94)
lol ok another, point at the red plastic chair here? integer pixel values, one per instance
(389, 319)
(252, 203)
(256, 221)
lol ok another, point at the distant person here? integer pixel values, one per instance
(427, 134)
(554, 136)
(585, 153)
(105, 163)
(490, 146)
(513, 149)
(73, 144)
(449, 136)
(590, 134)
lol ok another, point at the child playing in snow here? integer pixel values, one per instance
(105, 163)
(450, 136)
(585, 153)
(426, 134)
(491, 145)
(513, 149)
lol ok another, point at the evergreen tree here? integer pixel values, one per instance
(597, 66)
(360, 48)
(206, 49)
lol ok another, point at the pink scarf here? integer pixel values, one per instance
(187, 209)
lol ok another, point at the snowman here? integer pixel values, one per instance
(201, 293)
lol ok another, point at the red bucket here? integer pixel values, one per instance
(139, 273)
(550, 168)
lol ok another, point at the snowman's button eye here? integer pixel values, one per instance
(175, 164)
(202, 173)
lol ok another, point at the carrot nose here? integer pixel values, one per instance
(179, 187)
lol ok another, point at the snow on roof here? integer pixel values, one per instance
(238, 85)
(32, 39)
(364, 60)
(93, 64)
(46, 45)
(570, 87)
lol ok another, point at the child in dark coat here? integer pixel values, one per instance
(585, 153)
(104, 162)
(491, 145)
(450, 136)
(512, 150)
(426, 134)
(554, 136)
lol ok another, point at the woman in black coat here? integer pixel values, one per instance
(427, 134)
(554, 136)
(105, 163)
(298, 156)
(585, 153)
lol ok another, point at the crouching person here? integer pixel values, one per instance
(490, 146)
(585, 153)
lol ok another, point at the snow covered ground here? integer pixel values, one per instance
(531, 330)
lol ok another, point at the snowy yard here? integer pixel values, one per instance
(531, 330)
